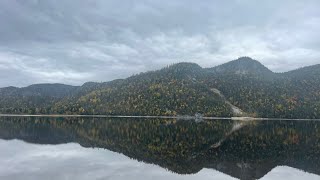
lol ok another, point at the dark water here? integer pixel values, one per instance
(133, 148)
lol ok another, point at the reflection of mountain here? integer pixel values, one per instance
(247, 150)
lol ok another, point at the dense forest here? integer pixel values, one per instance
(180, 89)
(184, 146)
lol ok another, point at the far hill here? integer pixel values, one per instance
(243, 87)
(27, 99)
(242, 66)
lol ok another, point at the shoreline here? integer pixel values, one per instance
(161, 117)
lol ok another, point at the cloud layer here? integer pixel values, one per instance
(76, 41)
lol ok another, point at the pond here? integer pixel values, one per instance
(157, 148)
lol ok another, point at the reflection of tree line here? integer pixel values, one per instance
(257, 149)
(245, 151)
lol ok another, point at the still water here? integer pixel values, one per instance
(38, 148)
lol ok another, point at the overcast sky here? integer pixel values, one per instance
(74, 41)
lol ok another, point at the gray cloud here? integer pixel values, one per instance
(76, 41)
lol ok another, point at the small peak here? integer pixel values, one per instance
(11, 87)
(183, 70)
(185, 66)
(243, 65)
(247, 62)
(246, 59)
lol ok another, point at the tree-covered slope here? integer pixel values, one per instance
(294, 94)
(180, 89)
(175, 90)
(33, 99)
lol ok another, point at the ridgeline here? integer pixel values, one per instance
(243, 87)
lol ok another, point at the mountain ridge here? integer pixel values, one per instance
(180, 89)
(243, 58)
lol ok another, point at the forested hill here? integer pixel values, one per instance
(243, 87)
(242, 66)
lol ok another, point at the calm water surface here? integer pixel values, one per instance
(130, 148)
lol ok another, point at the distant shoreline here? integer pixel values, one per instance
(161, 117)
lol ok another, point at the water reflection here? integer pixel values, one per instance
(241, 149)
(71, 161)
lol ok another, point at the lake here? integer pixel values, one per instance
(37, 148)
